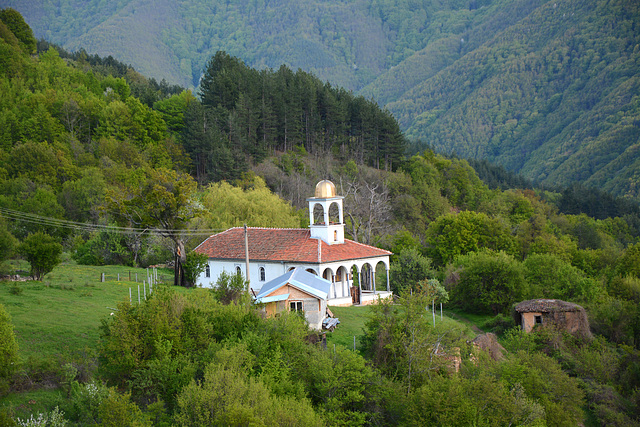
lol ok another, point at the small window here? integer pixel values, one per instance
(335, 235)
(295, 306)
(207, 271)
(538, 320)
(238, 270)
(262, 274)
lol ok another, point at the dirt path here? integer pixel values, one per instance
(460, 319)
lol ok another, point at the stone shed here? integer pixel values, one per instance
(563, 315)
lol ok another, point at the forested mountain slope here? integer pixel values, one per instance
(554, 96)
(347, 42)
(544, 88)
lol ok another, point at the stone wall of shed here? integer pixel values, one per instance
(574, 322)
(529, 321)
(314, 311)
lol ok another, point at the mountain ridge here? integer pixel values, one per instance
(552, 109)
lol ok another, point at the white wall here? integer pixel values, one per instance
(276, 269)
(272, 270)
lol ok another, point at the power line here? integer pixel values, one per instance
(82, 226)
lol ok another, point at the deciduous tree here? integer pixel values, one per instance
(163, 202)
(249, 202)
(409, 268)
(42, 252)
(15, 22)
(457, 234)
(7, 241)
(487, 282)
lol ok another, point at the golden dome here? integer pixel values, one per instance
(325, 189)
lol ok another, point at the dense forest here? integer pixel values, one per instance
(81, 157)
(544, 88)
(551, 97)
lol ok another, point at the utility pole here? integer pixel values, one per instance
(246, 255)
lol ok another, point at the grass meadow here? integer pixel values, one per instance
(352, 320)
(57, 320)
(61, 315)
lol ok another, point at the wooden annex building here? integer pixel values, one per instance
(300, 291)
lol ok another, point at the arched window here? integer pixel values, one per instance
(238, 270)
(207, 271)
(262, 274)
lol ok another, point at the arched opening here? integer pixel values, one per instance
(334, 213)
(318, 214)
(262, 274)
(327, 274)
(354, 291)
(207, 271)
(366, 275)
(312, 271)
(342, 282)
(382, 277)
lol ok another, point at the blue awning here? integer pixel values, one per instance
(273, 298)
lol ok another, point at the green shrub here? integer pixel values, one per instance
(118, 410)
(487, 282)
(194, 266)
(228, 397)
(499, 324)
(84, 402)
(68, 375)
(6, 418)
(229, 288)
(54, 418)
(8, 345)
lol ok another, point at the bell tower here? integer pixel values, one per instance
(326, 215)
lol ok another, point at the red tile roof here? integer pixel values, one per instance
(283, 244)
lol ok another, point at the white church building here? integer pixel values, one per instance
(352, 268)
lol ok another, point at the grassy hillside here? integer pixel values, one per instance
(59, 317)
